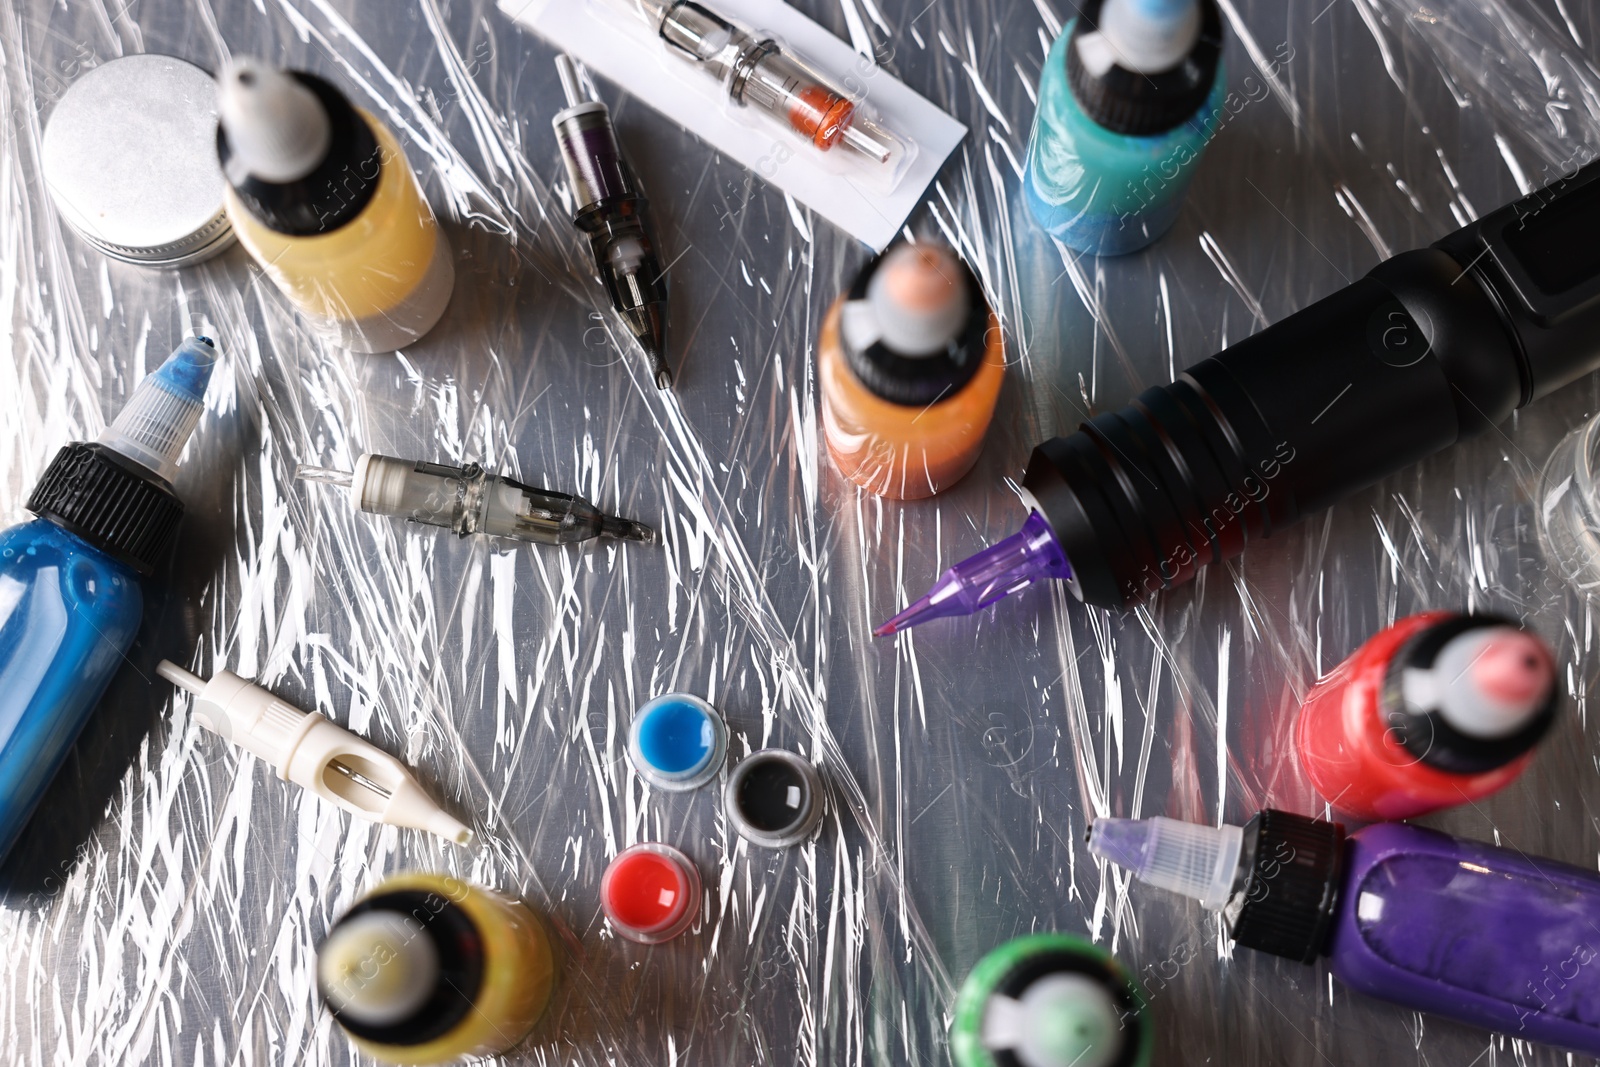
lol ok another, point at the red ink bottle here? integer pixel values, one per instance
(1439, 709)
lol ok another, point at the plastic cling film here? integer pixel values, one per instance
(961, 764)
(1569, 507)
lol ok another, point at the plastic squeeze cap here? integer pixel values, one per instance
(1061, 1020)
(165, 408)
(308, 750)
(277, 128)
(1143, 36)
(378, 968)
(917, 302)
(1197, 861)
(1281, 899)
(1142, 67)
(1486, 683)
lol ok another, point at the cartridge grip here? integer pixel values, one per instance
(1538, 259)
(1357, 386)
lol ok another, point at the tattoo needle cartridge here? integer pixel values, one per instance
(610, 210)
(469, 500)
(313, 753)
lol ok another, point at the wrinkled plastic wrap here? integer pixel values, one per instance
(164, 904)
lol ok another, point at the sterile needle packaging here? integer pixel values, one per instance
(845, 139)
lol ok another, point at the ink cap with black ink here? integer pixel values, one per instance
(129, 158)
(774, 798)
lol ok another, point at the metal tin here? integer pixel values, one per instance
(130, 159)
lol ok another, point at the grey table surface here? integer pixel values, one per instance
(163, 906)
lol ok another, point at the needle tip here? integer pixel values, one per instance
(915, 613)
(903, 621)
(627, 530)
(568, 74)
(647, 323)
(180, 677)
(654, 346)
(305, 472)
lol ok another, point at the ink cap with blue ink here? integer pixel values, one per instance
(677, 742)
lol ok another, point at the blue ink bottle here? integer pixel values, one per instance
(70, 598)
(1131, 94)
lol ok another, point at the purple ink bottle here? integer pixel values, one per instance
(1483, 935)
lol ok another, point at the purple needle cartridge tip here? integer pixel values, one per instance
(998, 571)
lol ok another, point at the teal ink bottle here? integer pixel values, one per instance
(1131, 94)
(70, 597)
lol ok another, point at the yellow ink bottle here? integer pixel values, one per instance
(428, 969)
(910, 360)
(320, 193)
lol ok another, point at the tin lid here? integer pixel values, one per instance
(130, 160)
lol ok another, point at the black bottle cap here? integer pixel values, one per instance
(919, 381)
(330, 196)
(1426, 733)
(1289, 873)
(115, 504)
(460, 950)
(1128, 102)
